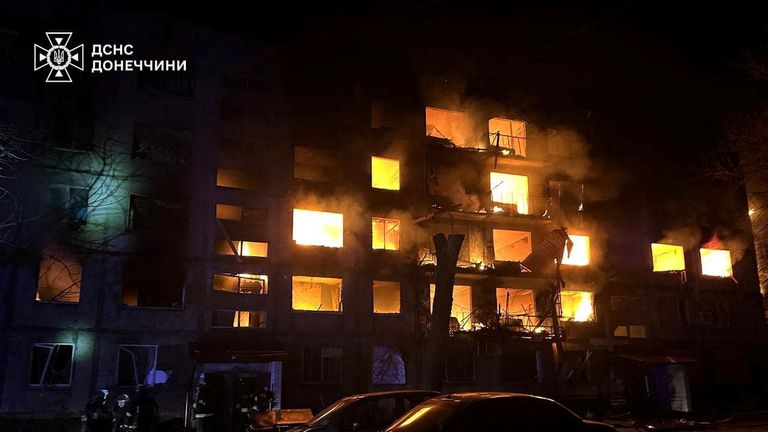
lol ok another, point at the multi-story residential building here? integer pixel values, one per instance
(249, 225)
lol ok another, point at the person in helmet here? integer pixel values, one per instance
(120, 414)
(203, 409)
(98, 413)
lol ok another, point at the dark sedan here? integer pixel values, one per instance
(369, 412)
(469, 412)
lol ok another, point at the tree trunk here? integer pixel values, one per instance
(447, 251)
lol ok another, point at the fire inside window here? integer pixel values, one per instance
(321, 294)
(716, 262)
(579, 253)
(59, 276)
(630, 331)
(667, 257)
(508, 134)
(511, 245)
(461, 308)
(385, 173)
(317, 228)
(510, 189)
(516, 307)
(447, 124)
(577, 306)
(242, 283)
(244, 248)
(386, 234)
(239, 319)
(386, 297)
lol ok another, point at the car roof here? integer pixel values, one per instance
(391, 393)
(469, 397)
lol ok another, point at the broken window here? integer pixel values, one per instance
(59, 277)
(239, 319)
(385, 173)
(316, 164)
(461, 308)
(716, 262)
(137, 364)
(508, 134)
(321, 294)
(154, 279)
(386, 297)
(630, 331)
(242, 283)
(510, 189)
(318, 228)
(667, 257)
(577, 306)
(151, 215)
(239, 179)
(51, 364)
(516, 307)
(321, 365)
(447, 124)
(70, 203)
(386, 234)
(240, 214)
(511, 245)
(579, 255)
(387, 366)
(243, 248)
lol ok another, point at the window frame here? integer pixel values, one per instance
(322, 379)
(153, 369)
(51, 346)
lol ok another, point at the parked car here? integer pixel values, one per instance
(369, 412)
(469, 412)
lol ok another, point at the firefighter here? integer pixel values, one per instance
(121, 418)
(143, 411)
(264, 400)
(243, 408)
(203, 409)
(98, 413)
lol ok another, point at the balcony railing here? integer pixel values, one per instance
(515, 144)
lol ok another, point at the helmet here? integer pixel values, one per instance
(122, 400)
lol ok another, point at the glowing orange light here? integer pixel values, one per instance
(667, 257)
(716, 262)
(510, 189)
(318, 228)
(385, 173)
(577, 305)
(579, 253)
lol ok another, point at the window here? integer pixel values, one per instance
(510, 189)
(716, 262)
(240, 214)
(668, 310)
(320, 294)
(242, 283)
(508, 134)
(511, 245)
(461, 308)
(627, 310)
(386, 297)
(59, 277)
(667, 257)
(579, 255)
(70, 203)
(154, 279)
(517, 307)
(157, 216)
(316, 164)
(630, 331)
(386, 234)
(243, 248)
(239, 319)
(447, 124)
(318, 228)
(137, 364)
(51, 364)
(239, 179)
(387, 366)
(321, 365)
(577, 306)
(158, 144)
(385, 173)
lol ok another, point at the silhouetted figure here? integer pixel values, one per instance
(144, 411)
(264, 400)
(120, 418)
(98, 413)
(203, 409)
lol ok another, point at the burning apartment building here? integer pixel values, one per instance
(249, 227)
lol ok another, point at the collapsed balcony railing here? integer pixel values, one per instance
(515, 145)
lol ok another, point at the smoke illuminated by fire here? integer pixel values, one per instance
(318, 228)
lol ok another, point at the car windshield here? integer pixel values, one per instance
(326, 415)
(428, 416)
